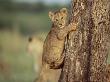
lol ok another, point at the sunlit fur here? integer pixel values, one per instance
(59, 18)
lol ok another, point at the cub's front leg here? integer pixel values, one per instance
(64, 31)
(61, 36)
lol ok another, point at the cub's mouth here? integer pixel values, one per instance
(61, 26)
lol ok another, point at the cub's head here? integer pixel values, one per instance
(59, 18)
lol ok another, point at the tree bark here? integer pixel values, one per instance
(86, 49)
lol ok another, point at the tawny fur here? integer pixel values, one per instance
(53, 47)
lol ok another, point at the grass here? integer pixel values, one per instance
(21, 69)
(20, 65)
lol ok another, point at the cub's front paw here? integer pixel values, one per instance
(74, 26)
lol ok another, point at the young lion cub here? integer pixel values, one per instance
(54, 44)
(53, 47)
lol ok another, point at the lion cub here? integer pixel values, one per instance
(53, 47)
(54, 43)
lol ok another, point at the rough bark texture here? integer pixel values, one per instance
(99, 42)
(86, 49)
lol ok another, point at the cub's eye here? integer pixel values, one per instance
(56, 19)
(61, 17)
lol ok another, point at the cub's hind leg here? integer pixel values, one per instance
(58, 63)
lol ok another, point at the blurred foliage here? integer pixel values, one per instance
(26, 17)
(6, 5)
(17, 22)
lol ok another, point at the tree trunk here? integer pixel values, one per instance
(86, 49)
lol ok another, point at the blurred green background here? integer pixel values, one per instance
(20, 19)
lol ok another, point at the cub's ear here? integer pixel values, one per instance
(64, 10)
(51, 15)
